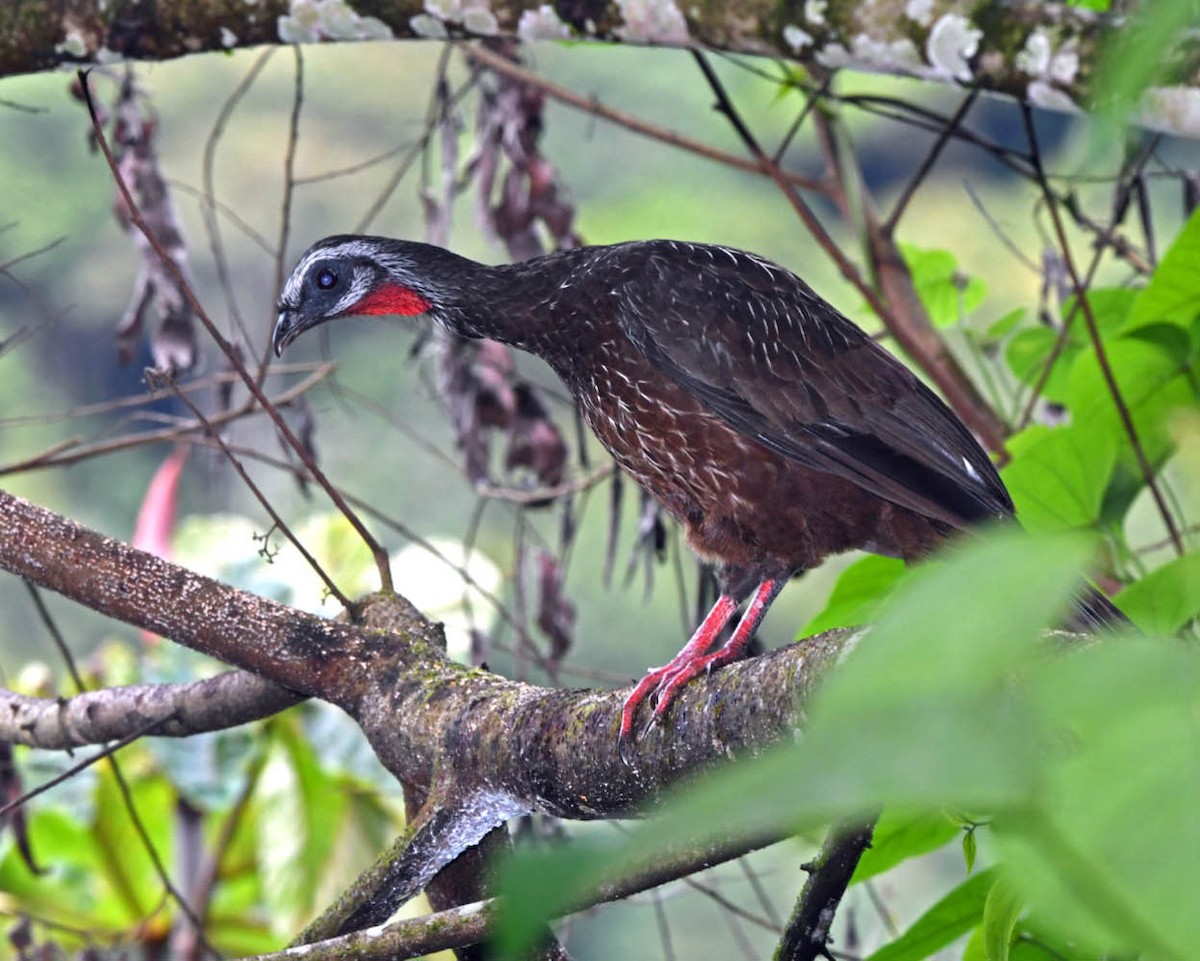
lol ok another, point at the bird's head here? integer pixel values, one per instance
(350, 276)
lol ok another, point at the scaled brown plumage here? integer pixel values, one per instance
(769, 425)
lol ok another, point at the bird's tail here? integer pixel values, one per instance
(1095, 612)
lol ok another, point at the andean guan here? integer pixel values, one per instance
(768, 424)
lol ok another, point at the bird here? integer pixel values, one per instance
(768, 424)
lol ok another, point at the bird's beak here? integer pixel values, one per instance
(287, 328)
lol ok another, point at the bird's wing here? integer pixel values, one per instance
(767, 354)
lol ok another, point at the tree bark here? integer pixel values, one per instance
(1044, 53)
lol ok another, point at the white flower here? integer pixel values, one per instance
(1042, 94)
(814, 11)
(952, 43)
(1034, 57)
(543, 23)
(651, 21)
(796, 38)
(481, 21)
(1173, 109)
(423, 25)
(228, 38)
(73, 46)
(919, 11)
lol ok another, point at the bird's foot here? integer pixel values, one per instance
(648, 686)
(669, 687)
(662, 684)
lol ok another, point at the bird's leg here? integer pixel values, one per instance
(730, 651)
(708, 631)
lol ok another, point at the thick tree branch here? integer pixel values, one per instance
(212, 704)
(483, 747)
(1044, 53)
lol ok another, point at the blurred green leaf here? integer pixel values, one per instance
(948, 294)
(970, 849)
(127, 868)
(1027, 353)
(952, 917)
(1164, 600)
(1173, 294)
(856, 596)
(921, 714)
(1135, 57)
(902, 835)
(1108, 854)
(1000, 914)
(1000, 329)
(295, 843)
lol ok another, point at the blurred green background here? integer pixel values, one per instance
(361, 101)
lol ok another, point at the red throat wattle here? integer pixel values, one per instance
(392, 299)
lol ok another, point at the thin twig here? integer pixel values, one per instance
(1110, 380)
(73, 450)
(135, 216)
(208, 206)
(289, 188)
(135, 818)
(262, 498)
(944, 137)
(628, 121)
(806, 936)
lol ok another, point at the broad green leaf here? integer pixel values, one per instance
(899, 836)
(1027, 353)
(1000, 329)
(920, 714)
(1030, 348)
(127, 868)
(1000, 914)
(1110, 307)
(1164, 600)
(948, 294)
(1134, 59)
(1173, 294)
(70, 849)
(1151, 383)
(948, 920)
(1107, 856)
(974, 949)
(296, 840)
(1058, 475)
(856, 596)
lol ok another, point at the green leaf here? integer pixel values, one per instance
(856, 596)
(921, 714)
(1151, 383)
(969, 846)
(1058, 475)
(1173, 294)
(1027, 353)
(1000, 914)
(1134, 58)
(899, 836)
(948, 294)
(1000, 329)
(296, 841)
(1107, 856)
(1164, 600)
(952, 917)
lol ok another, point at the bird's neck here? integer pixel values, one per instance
(518, 304)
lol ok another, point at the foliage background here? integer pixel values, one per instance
(361, 102)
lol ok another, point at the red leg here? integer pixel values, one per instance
(670, 685)
(708, 631)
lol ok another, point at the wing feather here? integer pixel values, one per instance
(782, 366)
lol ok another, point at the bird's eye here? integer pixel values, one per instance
(326, 279)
